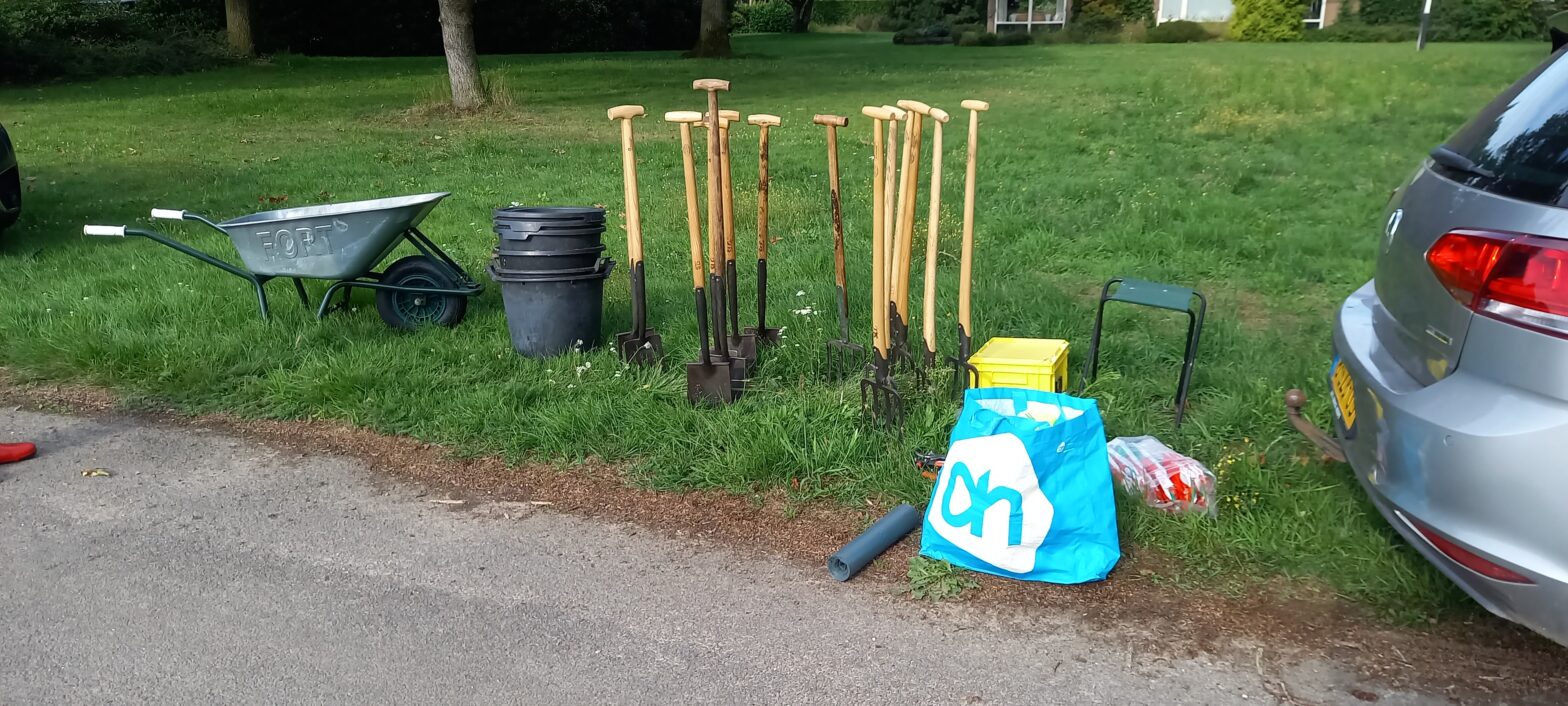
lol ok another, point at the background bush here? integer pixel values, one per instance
(906, 14)
(1358, 31)
(843, 12)
(770, 16)
(1388, 12)
(1267, 20)
(1489, 20)
(1177, 32)
(71, 39)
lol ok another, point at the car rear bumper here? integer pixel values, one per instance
(1479, 462)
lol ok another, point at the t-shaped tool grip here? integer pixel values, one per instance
(626, 112)
(683, 116)
(915, 106)
(764, 120)
(939, 115)
(973, 104)
(876, 112)
(896, 112)
(830, 120)
(710, 84)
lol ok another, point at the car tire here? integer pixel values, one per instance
(10, 197)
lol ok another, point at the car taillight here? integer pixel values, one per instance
(1521, 279)
(1464, 557)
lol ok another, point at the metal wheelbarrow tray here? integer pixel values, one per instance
(340, 242)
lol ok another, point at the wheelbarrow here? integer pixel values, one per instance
(340, 242)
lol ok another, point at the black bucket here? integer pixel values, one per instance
(547, 228)
(551, 314)
(512, 261)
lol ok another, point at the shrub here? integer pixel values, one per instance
(770, 16)
(939, 33)
(1267, 20)
(1489, 20)
(1388, 12)
(1358, 31)
(840, 12)
(49, 39)
(904, 14)
(1013, 39)
(869, 23)
(1136, 10)
(1177, 32)
(1097, 17)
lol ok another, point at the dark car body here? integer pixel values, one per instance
(10, 182)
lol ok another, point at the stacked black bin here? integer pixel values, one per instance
(550, 265)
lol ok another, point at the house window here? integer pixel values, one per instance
(1314, 18)
(1028, 14)
(1193, 10)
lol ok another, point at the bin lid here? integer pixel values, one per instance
(1021, 351)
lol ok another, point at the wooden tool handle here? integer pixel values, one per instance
(710, 84)
(683, 116)
(878, 245)
(915, 106)
(875, 113)
(729, 188)
(966, 259)
(715, 181)
(889, 188)
(729, 115)
(764, 120)
(762, 185)
(933, 228)
(895, 111)
(830, 120)
(840, 276)
(629, 184)
(693, 230)
(939, 115)
(626, 112)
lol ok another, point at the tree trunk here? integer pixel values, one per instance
(803, 10)
(713, 36)
(462, 60)
(241, 39)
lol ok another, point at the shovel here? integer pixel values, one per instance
(761, 333)
(730, 347)
(844, 356)
(708, 379)
(964, 374)
(641, 345)
(742, 346)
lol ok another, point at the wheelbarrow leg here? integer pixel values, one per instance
(326, 299)
(261, 295)
(299, 288)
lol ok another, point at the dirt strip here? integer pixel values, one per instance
(1481, 661)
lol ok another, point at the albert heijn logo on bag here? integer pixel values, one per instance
(988, 502)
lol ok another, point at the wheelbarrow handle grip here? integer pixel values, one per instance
(168, 214)
(117, 231)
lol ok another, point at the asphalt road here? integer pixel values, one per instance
(211, 569)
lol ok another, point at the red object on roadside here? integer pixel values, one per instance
(1165, 479)
(11, 453)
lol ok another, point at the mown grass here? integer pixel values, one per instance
(1256, 173)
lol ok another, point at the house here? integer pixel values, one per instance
(1029, 15)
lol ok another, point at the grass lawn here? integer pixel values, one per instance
(1256, 173)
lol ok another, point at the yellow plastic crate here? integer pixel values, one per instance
(1035, 363)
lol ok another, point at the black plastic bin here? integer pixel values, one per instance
(550, 313)
(549, 228)
(513, 261)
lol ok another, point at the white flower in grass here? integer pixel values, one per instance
(800, 293)
(585, 367)
(808, 311)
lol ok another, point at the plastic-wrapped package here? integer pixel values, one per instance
(1163, 478)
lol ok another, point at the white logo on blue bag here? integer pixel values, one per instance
(988, 502)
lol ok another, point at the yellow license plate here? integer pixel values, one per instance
(1345, 394)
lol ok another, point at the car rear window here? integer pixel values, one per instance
(1520, 141)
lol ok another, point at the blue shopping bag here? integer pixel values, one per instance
(1025, 491)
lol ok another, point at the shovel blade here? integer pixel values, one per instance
(646, 350)
(711, 382)
(765, 336)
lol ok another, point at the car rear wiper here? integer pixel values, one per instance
(1446, 157)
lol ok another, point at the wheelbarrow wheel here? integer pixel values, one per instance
(411, 310)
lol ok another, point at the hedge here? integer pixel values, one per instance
(843, 12)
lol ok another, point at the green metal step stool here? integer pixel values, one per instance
(1158, 296)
